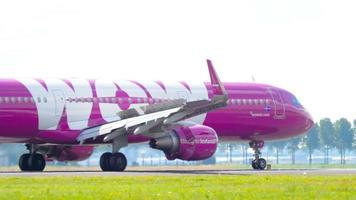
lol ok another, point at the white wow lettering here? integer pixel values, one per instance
(58, 92)
(50, 113)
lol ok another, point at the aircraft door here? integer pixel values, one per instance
(279, 109)
(59, 100)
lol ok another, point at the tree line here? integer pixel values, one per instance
(324, 136)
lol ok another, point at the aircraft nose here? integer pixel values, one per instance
(309, 121)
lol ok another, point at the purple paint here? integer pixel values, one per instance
(19, 120)
(195, 143)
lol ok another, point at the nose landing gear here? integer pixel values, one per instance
(258, 163)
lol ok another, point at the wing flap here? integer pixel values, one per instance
(123, 124)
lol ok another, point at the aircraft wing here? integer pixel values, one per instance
(159, 116)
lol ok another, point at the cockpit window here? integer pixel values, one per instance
(296, 102)
(292, 100)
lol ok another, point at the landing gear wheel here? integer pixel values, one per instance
(254, 164)
(258, 163)
(105, 161)
(23, 162)
(118, 162)
(36, 162)
(113, 162)
(261, 164)
(32, 162)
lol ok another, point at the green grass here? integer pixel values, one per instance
(179, 187)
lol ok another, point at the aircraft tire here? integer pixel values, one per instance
(254, 164)
(261, 164)
(118, 162)
(105, 161)
(36, 162)
(24, 162)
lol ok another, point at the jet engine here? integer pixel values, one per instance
(67, 153)
(189, 143)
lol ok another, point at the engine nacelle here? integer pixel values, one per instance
(67, 153)
(195, 142)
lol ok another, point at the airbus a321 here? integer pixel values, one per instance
(64, 119)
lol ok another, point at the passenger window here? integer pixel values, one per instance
(256, 101)
(238, 101)
(39, 99)
(1, 99)
(45, 100)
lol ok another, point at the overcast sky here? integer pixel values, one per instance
(305, 46)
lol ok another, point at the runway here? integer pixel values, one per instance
(150, 172)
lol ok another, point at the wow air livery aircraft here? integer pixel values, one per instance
(63, 120)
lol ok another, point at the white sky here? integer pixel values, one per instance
(305, 46)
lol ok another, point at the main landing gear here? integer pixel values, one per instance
(113, 161)
(32, 161)
(258, 163)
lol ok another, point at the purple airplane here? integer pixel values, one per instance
(63, 119)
